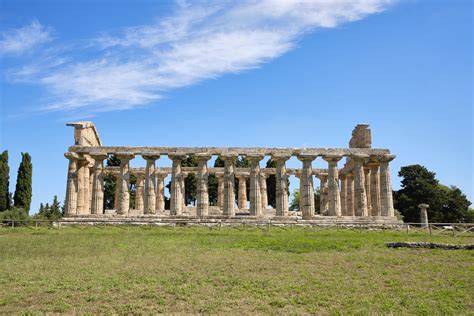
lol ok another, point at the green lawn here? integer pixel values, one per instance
(197, 270)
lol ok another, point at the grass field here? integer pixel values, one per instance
(197, 270)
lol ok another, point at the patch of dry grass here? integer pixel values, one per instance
(199, 270)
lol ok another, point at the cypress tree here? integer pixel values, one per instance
(4, 182)
(23, 192)
(55, 210)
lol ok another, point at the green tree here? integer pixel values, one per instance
(5, 202)
(110, 183)
(55, 210)
(419, 185)
(295, 201)
(23, 192)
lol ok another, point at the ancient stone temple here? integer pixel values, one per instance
(357, 190)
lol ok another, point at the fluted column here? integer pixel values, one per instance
(229, 195)
(386, 197)
(307, 189)
(343, 194)
(334, 198)
(182, 183)
(97, 204)
(124, 181)
(262, 180)
(139, 194)
(360, 196)
(202, 203)
(281, 181)
(160, 190)
(255, 189)
(424, 215)
(323, 193)
(375, 188)
(367, 189)
(300, 189)
(350, 195)
(242, 193)
(220, 189)
(150, 183)
(70, 205)
(176, 197)
(82, 185)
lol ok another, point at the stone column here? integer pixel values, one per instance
(300, 189)
(242, 193)
(82, 185)
(229, 195)
(386, 197)
(150, 183)
(160, 191)
(255, 189)
(70, 206)
(281, 181)
(202, 203)
(306, 185)
(367, 189)
(124, 181)
(97, 205)
(343, 194)
(140, 193)
(176, 197)
(334, 198)
(423, 215)
(323, 193)
(262, 179)
(182, 183)
(350, 195)
(220, 189)
(375, 188)
(360, 196)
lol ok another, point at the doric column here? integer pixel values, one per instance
(375, 187)
(255, 189)
(386, 198)
(343, 194)
(160, 190)
(182, 183)
(97, 205)
(150, 184)
(323, 193)
(300, 189)
(124, 181)
(176, 197)
(306, 185)
(367, 189)
(281, 181)
(229, 195)
(360, 196)
(262, 179)
(334, 198)
(220, 189)
(350, 195)
(82, 185)
(202, 203)
(140, 194)
(423, 215)
(242, 193)
(70, 206)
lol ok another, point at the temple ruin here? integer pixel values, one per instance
(360, 190)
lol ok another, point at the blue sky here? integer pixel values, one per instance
(267, 73)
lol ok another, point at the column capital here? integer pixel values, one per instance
(99, 156)
(385, 158)
(202, 157)
(281, 157)
(161, 174)
(124, 157)
(359, 157)
(423, 206)
(229, 156)
(332, 157)
(71, 155)
(150, 156)
(219, 174)
(322, 176)
(305, 157)
(176, 157)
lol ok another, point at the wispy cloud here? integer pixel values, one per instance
(198, 41)
(21, 40)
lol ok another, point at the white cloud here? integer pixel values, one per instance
(24, 39)
(197, 42)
